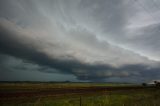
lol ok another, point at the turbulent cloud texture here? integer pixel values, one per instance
(84, 40)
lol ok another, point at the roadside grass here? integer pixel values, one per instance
(142, 97)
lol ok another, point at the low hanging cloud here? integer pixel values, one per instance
(54, 37)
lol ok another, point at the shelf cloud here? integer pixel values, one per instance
(87, 40)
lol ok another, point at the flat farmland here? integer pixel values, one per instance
(76, 94)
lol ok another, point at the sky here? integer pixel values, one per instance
(80, 40)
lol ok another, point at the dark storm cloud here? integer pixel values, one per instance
(95, 40)
(10, 45)
(95, 72)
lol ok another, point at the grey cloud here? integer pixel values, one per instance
(148, 40)
(77, 37)
(16, 48)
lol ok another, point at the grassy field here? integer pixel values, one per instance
(76, 94)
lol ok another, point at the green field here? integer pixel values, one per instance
(121, 96)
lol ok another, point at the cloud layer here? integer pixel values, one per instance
(91, 40)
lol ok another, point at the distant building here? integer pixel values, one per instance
(152, 83)
(157, 83)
